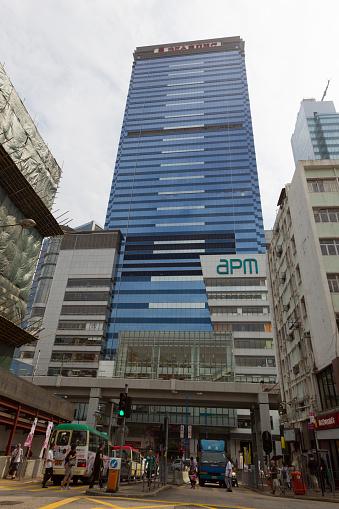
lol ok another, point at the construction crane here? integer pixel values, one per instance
(328, 82)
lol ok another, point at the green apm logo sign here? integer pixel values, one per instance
(228, 266)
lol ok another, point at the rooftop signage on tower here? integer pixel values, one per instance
(187, 47)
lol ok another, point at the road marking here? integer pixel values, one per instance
(215, 489)
(164, 503)
(59, 504)
(103, 503)
(58, 489)
(22, 487)
(223, 506)
(132, 507)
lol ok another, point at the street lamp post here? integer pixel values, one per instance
(186, 394)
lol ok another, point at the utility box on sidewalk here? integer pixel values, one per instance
(113, 476)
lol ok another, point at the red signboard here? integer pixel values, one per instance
(133, 443)
(186, 47)
(328, 421)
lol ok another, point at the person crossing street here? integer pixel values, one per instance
(228, 474)
(150, 466)
(48, 466)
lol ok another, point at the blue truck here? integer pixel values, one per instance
(212, 462)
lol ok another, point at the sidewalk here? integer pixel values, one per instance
(310, 495)
(24, 480)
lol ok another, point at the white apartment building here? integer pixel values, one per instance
(303, 268)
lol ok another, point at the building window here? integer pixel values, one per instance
(38, 312)
(243, 327)
(237, 296)
(326, 215)
(256, 362)
(80, 411)
(79, 325)
(77, 282)
(329, 247)
(323, 186)
(83, 296)
(328, 388)
(257, 378)
(253, 343)
(238, 311)
(333, 282)
(83, 310)
(77, 340)
(72, 372)
(74, 357)
(235, 282)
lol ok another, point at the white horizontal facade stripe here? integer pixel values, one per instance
(186, 115)
(184, 126)
(187, 93)
(185, 72)
(182, 65)
(164, 251)
(179, 151)
(181, 103)
(186, 83)
(181, 241)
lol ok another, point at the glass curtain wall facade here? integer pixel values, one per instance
(316, 134)
(185, 183)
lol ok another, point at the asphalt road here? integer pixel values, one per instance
(32, 496)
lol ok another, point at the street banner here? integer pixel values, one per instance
(182, 431)
(29, 439)
(48, 433)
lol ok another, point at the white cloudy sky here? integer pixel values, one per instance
(71, 62)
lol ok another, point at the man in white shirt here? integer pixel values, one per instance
(48, 466)
(228, 474)
(16, 459)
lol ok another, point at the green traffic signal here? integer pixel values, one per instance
(121, 413)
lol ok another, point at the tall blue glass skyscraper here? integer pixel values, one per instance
(185, 183)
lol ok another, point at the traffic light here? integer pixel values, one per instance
(128, 407)
(122, 404)
(267, 442)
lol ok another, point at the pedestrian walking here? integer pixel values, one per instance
(324, 473)
(274, 478)
(96, 474)
(193, 472)
(150, 466)
(48, 466)
(70, 462)
(312, 467)
(228, 474)
(15, 461)
(285, 474)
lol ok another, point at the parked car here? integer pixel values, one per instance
(178, 464)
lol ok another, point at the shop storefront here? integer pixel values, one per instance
(327, 426)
